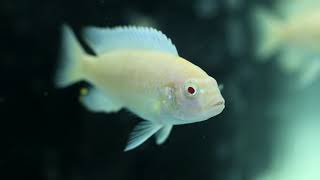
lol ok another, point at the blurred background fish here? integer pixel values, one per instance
(293, 31)
(289, 32)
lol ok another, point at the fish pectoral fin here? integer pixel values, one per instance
(97, 101)
(163, 134)
(141, 132)
(221, 86)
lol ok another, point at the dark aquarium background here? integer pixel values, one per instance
(45, 133)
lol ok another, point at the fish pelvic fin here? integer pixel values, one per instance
(141, 132)
(163, 134)
(269, 33)
(71, 56)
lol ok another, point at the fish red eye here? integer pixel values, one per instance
(191, 90)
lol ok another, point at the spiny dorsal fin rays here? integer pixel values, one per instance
(103, 40)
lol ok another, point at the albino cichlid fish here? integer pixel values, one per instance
(139, 69)
(294, 33)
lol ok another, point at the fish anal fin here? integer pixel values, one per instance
(97, 101)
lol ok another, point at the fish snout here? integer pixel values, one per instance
(218, 104)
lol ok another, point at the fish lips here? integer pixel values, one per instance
(216, 107)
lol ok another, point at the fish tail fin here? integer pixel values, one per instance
(69, 70)
(269, 33)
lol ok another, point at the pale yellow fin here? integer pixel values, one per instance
(97, 101)
(141, 132)
(71, 56)
(163, 134)
(104, 40)
(268, 33)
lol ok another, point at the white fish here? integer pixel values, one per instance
(139, 69)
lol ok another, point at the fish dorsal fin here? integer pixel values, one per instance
(128, 37)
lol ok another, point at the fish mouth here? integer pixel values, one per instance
(218, 106)
(215, 107)
(212, 109)
(219, 103)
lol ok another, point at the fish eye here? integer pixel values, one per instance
(190, 89)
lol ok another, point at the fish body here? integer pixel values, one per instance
(139, 69)
(125, 67)
(295, 34)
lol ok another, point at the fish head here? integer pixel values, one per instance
(193, 100)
